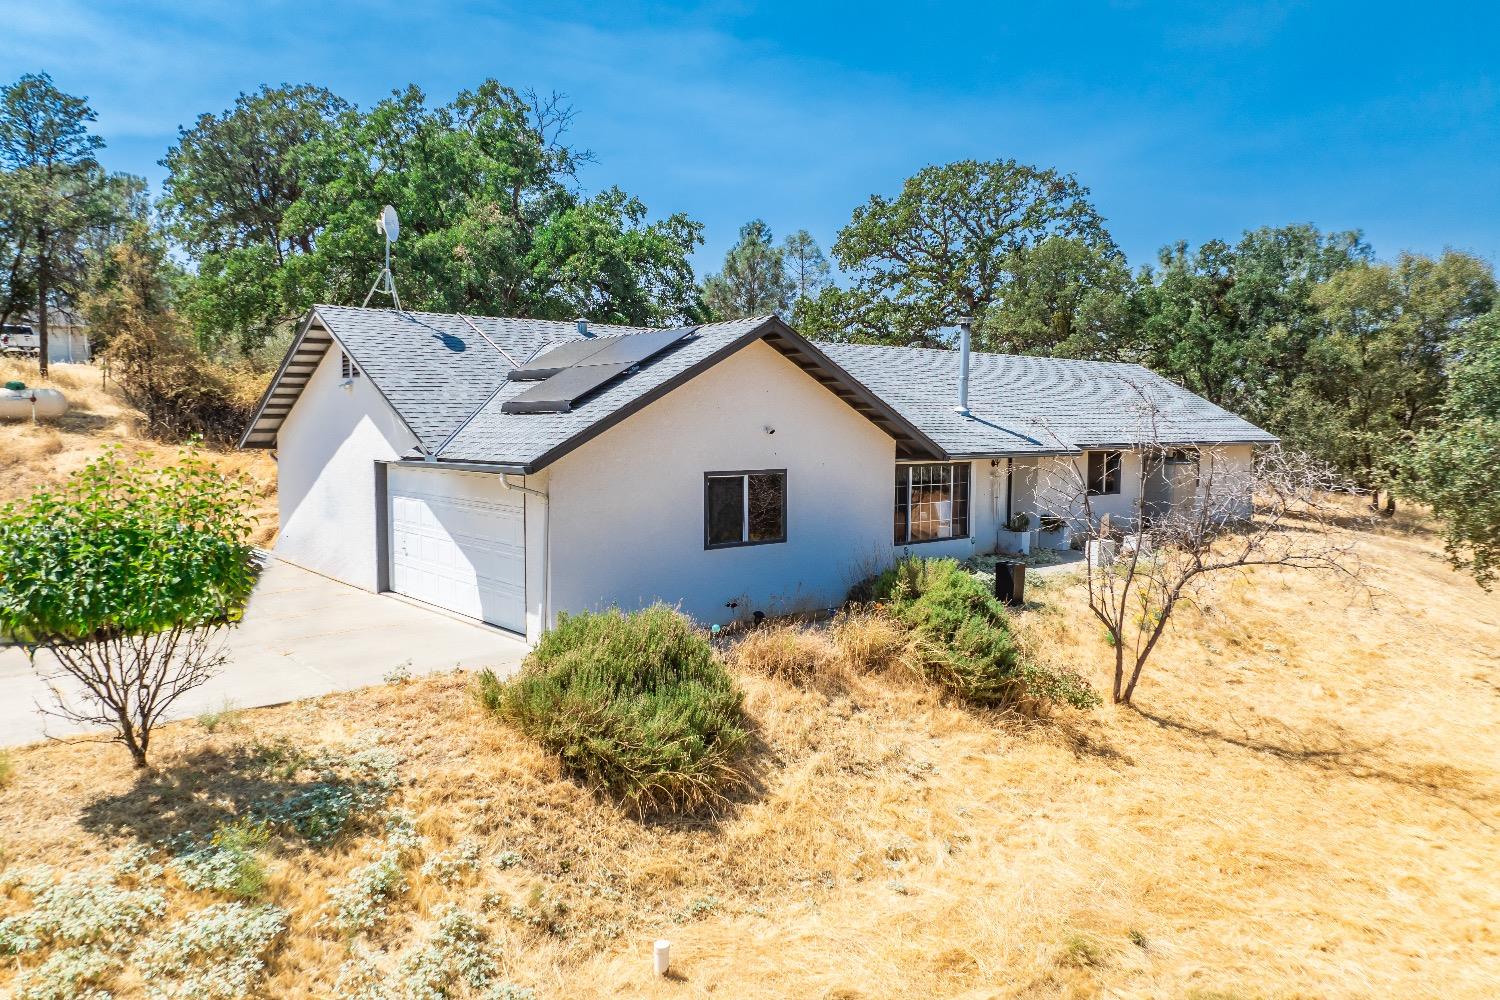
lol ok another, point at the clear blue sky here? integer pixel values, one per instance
(1186, 123)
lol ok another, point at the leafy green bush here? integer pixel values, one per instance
(124, 574)
(635, 703)
(964, 638)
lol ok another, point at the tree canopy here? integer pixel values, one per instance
(754, 280)
(491, 219)
(269, 207)
(56, 201)
(953, 243)
(1455, 466)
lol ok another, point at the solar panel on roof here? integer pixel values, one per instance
(558, 393)
(629, 348)
(558, 357)
(609, 358)
(634, 348)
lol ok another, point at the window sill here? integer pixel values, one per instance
(744, 545)
(929, 541)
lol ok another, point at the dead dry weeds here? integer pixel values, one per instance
(34, 455)
(1307, 804)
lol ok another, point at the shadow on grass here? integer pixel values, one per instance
(81, 421)
(1337, 754)
(198, 793)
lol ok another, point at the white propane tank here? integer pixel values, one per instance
(19, 404)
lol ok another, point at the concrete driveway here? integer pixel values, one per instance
(303, 635)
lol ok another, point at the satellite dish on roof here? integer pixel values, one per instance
(388, 224)
(390, 227)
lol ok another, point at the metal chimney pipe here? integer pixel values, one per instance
(583, 327)
(965, 325)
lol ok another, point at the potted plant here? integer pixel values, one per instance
(1054, 533)
(1016, 535)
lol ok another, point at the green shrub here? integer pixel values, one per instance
(964, 637)
(125, 574)
(1082, 952)
(229, 863)
(636, 704)
(226, 715)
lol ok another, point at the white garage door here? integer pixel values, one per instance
(458, 541)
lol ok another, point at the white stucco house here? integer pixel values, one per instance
(508, 470)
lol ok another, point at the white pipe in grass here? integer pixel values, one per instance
(662, 954)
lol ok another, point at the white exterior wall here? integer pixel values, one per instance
(68, 345)
(627, 507)
(539, 542)
(325, 456)
(1227, 471)
(1043, 483)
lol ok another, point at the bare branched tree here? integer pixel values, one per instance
(129, 682)
(1193, 513)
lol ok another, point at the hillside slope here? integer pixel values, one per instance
(1306, 805)
(34, 455)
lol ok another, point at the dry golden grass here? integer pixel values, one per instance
(1306, 805)
(35, 455)
(789, 651)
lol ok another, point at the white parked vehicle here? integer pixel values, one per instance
(17, 341)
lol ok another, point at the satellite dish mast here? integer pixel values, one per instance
(389, 226)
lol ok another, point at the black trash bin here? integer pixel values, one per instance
(1010, 582)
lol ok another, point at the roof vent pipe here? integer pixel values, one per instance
(583, 327)
(965, 325)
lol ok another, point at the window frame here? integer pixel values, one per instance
(967, 500)
(744, 476)
(1119, 472)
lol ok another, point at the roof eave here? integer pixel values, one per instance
(281, 371)
(275, 383)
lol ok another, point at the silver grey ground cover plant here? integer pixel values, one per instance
(217, 953)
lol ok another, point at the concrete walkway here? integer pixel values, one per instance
(303, 635)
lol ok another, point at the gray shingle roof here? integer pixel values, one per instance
(526, 439)
(436, 369)
(446, 376)
(1022, 405)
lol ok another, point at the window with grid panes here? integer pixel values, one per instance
(932, 502)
